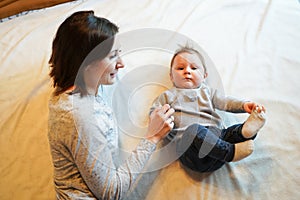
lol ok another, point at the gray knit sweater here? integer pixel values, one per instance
(198, 106)
(84, 146)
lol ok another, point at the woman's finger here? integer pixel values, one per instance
(165, 108)
(165, 112)
(170, 120)
(170, 112)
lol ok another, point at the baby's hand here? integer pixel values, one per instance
(260, 108)
(250, 106)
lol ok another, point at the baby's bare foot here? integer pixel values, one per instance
(243, 150)
(254, 123)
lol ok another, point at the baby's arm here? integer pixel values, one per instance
(227, 103)
(234, 105)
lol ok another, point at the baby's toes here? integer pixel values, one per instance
(259, 112)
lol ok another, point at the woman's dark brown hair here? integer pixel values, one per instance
(76, 37)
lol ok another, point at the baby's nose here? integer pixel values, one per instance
(187, 70)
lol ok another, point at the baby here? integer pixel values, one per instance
(195, 116)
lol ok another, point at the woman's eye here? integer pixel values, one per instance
(113, 56)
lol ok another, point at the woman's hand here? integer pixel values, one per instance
(160, 123)
(249, 106)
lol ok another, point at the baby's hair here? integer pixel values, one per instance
(188, 49)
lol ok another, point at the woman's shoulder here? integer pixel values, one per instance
(60, 103)
(67, 104)
(67, 111)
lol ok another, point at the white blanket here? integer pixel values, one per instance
(254, 46)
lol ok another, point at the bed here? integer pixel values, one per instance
(252, 44)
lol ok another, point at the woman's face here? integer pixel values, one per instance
(107, 68)
(187, 71)
(104, 71)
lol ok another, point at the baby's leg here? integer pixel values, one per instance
(242, 150)
(205, 142)
(254, 123)
(243, 147)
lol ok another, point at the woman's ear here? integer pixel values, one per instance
(87, 68)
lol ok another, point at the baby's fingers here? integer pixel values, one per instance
(260, 109)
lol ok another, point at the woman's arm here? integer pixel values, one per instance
(95, 156)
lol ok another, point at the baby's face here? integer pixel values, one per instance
(187, 71)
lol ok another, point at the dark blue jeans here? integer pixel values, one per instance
(210, 147)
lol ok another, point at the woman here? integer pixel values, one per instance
(82, 133)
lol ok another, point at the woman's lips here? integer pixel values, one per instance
(113, 75)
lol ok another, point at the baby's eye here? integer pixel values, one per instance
(180, 68)
(194, 67)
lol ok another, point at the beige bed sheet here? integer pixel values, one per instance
(254, 45)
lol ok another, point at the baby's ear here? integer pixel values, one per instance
(205, 75)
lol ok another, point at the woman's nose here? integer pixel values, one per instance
(120, 63)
